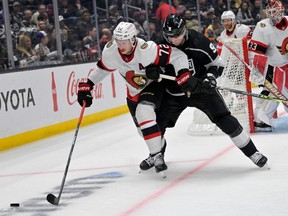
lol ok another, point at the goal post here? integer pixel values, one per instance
(235, 76)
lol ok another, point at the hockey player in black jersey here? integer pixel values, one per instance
(196, 88)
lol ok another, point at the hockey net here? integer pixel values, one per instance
(235, 76)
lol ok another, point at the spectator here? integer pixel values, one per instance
(84, 24)
(41, 26)
(155, 35)
(164, 10)
(178, 6)
(27, 18)
(256, 12)
(209, 17)
(105, 36)
(64, 32)
(79, 8)
(90, 42)
(41, 9)
(25, 52)
(220, 7)
(244, 14)
(213, 31)
(41, 48)
(114, 14)
(44, 17)
(191, 21)
(65, 9)
(16, 14)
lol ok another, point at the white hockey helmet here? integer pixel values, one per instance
(228, 15)
(125, 31)
(275, 11)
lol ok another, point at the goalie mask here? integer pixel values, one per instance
(173, 26)
(275, 11)
(125, 31)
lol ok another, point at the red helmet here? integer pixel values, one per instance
(275, 11)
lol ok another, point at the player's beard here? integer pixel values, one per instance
(229, 27)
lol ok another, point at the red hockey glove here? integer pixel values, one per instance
(84, 93)
(188, 83)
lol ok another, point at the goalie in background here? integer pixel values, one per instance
(197, 88)
(268, 52)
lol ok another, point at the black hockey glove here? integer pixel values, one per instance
(208, 84)
(188, 83)
(84, 93)
(153, 72)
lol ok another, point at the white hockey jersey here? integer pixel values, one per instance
(132, 67)
(270, 41)
(240, 31)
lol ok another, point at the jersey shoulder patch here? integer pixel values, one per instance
(262, 25)
(144, 46)
(109, 44)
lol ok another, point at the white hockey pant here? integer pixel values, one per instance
(146, 118)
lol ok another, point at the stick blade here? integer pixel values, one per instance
(52, 199)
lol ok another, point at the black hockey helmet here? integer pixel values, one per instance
(173, 26)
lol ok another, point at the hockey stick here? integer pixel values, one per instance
(236, 91)
(253, 95)
(267, 84)
(50, 197)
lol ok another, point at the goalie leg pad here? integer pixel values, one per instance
(264, 111)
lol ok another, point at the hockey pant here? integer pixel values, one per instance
(144, 115)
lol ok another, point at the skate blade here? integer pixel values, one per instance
(266, 167)
(163, 174)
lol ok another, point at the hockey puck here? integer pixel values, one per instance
(14, 204)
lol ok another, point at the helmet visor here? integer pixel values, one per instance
(174, 32)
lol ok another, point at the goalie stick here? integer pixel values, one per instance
(236, 91)
(51, 198)
(267, 84)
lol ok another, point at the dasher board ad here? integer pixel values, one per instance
(43, 97)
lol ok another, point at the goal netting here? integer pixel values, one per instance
(235, 76)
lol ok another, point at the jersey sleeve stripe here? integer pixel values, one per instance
(101, 65)
(258, 47)
(163, 55)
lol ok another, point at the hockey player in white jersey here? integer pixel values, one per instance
(232, 29)
(270, 38)
(129, 55)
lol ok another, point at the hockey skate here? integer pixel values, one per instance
(148, 163)
(159, 164)
(259, 159)
(262, 127)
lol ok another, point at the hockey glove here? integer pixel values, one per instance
(84, 93)
(188, 83)
(153, 72)
(208, 84)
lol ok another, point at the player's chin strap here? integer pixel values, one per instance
(271, 88)
(265, 97)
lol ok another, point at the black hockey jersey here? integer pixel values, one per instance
(202, 56)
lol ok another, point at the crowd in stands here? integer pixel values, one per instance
(34, 35)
